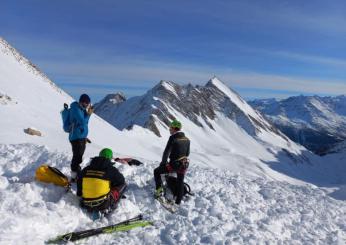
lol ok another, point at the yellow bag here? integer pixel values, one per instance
(50, 174)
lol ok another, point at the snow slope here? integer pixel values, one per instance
(234, 209)
(250, 199)
(35, 101)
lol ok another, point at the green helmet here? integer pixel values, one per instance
(175, 124)
(106, 153)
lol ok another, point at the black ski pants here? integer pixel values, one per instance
(78, 149)
(162, 169)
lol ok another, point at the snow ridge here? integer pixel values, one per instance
(191, 101)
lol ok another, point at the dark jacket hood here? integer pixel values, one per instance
(100, 162)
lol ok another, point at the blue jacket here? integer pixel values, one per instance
(79, 119)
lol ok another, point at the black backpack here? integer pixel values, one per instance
(172, 185)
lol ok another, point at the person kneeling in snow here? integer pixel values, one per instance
(177, 149)
(100, 185)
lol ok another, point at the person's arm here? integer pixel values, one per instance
(167, 151)
(81, 116)
(116, 178)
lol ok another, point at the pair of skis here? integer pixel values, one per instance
(122, 226)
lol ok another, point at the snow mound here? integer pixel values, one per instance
(234, 209)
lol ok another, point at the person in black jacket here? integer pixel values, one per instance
(177, 150)
(100, 185)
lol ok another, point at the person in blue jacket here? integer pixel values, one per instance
(79, 118)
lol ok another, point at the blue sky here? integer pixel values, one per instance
(259, 48)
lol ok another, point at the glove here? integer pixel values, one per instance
(90, 110)
(169, 167)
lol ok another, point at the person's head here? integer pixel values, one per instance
(84, 100)
(106, 153)
(175, 126)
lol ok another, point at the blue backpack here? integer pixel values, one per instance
(65, 115)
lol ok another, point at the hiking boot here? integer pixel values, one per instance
(158, 192)
(73, 177)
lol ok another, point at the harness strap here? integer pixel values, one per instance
(181, 158)
(96, 202)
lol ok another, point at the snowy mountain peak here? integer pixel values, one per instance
(199, 106)
(115, 98)
(233, 95)
(167, 84)
(109, 102)
(215, 81)
(164, 88)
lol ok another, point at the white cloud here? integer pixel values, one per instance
(340, 63)
(144, 72)
(147, 73)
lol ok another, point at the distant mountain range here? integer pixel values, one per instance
(200, 104)
(212, 114)
(318, 123)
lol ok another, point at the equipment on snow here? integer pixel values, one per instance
(168, 192)
(170, 183)
(49, 174)
(122, 226)
(129, 161)
(172, 186)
